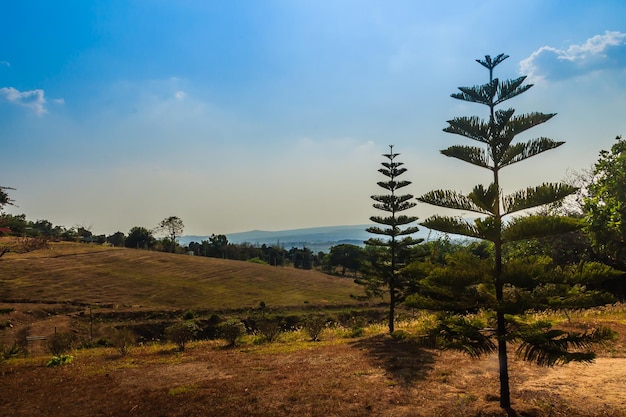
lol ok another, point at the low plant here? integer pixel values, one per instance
(60, 360)
(123, 339)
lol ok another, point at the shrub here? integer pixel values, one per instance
(61, 343)
(181, 333)
(231, 330)
(123, 339)
(270, 328)
(189, 315)
(313, 326)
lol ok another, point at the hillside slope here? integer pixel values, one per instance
(80, 273)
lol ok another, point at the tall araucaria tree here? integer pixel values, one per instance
(495, 151)
(392, 248)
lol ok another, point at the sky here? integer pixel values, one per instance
(240, 115)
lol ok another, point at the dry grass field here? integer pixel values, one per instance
(368, 375)
(89, 274)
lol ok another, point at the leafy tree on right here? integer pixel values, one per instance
(497, 150)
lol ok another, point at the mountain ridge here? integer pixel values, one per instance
(315, 238)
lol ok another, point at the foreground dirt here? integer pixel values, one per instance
(370, 376)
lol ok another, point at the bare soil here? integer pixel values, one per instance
(368, 376)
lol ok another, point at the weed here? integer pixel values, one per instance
(60, 360)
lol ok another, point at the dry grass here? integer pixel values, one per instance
(372, 375)
(369, 376)
(88, 274)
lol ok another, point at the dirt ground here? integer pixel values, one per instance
(368, 376)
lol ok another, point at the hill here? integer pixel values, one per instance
(318, 239)
(93, 274)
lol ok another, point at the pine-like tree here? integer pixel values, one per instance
(390, 252)
(496, 150)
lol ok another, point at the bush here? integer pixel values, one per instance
(313, 326)
(181, 333)
(231, 330)
(269, 328)
(189, 315)
(123, 339)
(61, 343)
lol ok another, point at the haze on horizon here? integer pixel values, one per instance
(273, 114)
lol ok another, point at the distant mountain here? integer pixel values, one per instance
(315, 238)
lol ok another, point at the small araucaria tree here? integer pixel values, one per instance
(496, 150)
(395, 242)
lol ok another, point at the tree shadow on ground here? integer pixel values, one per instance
(404, 360)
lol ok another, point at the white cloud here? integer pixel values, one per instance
(600, 52)
(5, 63)
(32, 99)
(58, 100)
(180, 94)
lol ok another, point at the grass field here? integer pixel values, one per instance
(360, 374)
(88, 274)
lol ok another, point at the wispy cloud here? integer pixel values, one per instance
(600, 52)
(32, 99)
(5, 63)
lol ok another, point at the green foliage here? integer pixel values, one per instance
(140, 238)
(189, 315)
(60, 360)
(461, 333)
(345, 256)
(504, 288)
(605, 205)
(393, 246)
(541, 344)
(257, 260)
(181, 333)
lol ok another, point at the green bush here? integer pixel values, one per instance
(181, 333)
(231, 330)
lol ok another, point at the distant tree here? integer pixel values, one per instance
(217, 246)
(116, 239)
(346, 256)
(498, 151)
(140, 238)
(301, 258)
(173, 226)
(391, 251)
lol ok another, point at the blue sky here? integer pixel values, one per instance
(239, 115)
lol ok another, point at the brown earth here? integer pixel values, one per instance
(368, 376)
